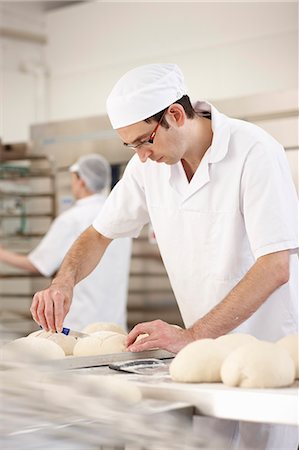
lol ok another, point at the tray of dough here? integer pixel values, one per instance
(80, 362)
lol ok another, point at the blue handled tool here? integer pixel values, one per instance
(76, 334)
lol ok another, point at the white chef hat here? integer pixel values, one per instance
(143, 92)
(94, 170)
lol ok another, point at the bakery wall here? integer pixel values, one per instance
(226, 50)
(61, 64)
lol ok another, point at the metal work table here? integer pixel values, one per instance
(278, 405)
(79, 412)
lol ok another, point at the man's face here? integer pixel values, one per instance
(167, 143)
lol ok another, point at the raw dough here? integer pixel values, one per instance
(88, 346)
(67, 343)
(103, 334)
(199, 361)
(258, 365)
(290, 343)
(103, 326)
(100, 343)
(231, 341)
(29, 349)
(113, 344)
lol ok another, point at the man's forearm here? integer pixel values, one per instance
(82, 257)
(17, 260)
(266, 275)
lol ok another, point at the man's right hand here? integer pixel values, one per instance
(50, 306)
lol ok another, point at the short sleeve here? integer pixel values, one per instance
(269, 201)
(125, 212)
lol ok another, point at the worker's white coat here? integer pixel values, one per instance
(240, 205)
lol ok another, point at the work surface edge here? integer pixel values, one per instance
(277, 405)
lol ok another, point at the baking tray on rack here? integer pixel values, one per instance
(80, 362)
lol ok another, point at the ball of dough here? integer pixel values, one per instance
(258, 365)
(103, 326)
(290, 343)
(67, 343)
(31, 349)
(89, 346)
(230, 342)
(114, 344)
(99, 344)
(199, 361)
(103, 334)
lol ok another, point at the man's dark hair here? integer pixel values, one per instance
(184, 102)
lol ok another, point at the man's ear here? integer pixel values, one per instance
(82, 183)
(177, 114)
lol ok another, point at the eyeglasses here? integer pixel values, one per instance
(151, 138)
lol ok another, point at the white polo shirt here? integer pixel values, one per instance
(240, 204)
(102, 296)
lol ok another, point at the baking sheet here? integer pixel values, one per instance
(78, 362)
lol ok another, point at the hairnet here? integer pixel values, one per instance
(143, 92)
(94, 170)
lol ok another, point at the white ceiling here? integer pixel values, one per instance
(119, 30)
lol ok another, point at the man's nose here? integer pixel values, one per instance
(143, 153)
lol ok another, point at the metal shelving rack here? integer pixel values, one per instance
(150, 295)
(19, 170)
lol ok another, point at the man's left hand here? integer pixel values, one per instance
(161, 335)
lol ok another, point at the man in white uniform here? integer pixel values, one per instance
(102, 296)
(220, 197)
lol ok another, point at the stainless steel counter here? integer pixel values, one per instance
(59, 406)
(278, 405)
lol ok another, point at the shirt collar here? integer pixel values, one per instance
(215, 153)
(94, 198)
(221, 131)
